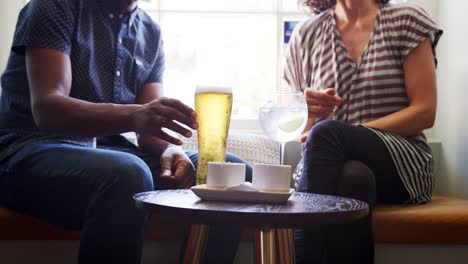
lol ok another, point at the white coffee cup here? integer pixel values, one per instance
(269, 177)
(225, 174)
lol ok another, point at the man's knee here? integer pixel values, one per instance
(235, 159)
(130, 173)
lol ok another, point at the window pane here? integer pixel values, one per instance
(149, 5)
(220, 49)
(291, 6)
(154, 15)
(226, 5)
(289, 22)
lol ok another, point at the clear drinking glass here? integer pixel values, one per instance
(283, 117)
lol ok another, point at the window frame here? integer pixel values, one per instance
(280, 13)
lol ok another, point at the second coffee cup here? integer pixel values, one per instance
(269, 177)
(225, 174)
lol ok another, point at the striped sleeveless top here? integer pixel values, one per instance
(374, 86)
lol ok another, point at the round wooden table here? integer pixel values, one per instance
(273, 245)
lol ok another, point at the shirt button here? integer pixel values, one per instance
(117, 73)
(111, 16)
(120, 40)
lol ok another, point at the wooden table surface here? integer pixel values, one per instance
(301, 209)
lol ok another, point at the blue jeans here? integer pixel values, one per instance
(91, 190)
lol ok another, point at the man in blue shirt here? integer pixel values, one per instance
(81, 70)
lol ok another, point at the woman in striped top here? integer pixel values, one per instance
(367, 69)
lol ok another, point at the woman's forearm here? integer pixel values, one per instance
(409, 121)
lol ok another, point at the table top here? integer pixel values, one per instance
(300, 210)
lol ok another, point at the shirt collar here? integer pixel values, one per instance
(115, 13)
(132, 16)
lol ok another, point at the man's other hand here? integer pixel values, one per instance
(177, 169)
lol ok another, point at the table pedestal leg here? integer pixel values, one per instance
(274, 246)
(196, 243)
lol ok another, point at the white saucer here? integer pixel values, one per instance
(213, 194)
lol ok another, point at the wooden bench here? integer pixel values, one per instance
(19, 227)
(442, 221)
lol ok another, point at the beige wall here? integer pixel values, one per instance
(9, 10)
(451, 127)
(452, 123)
(429, 5)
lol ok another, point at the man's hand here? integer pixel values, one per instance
(176, 168)
(160, 113)
(321, 103)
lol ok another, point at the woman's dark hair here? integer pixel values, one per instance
(318, 6)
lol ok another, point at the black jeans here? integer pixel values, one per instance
(350, 161)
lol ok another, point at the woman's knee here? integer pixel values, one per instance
(357, 181)
(324, 129)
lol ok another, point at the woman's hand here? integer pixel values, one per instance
(151, 117)
(177, 169)
(303, 137)
(321, 103)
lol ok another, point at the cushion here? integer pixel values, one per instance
(253, 148)
(444, 220)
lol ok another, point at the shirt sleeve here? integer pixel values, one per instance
(45, 24)
(157, 71)
(158, 62)
(417, 27)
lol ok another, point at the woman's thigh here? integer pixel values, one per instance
(335, 143)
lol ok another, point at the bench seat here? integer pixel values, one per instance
(442, 221)
(20, 227)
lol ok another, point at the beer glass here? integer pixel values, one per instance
(213, 106)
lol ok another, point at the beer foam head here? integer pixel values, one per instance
(213, 89)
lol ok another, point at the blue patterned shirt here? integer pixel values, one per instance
(113, 55)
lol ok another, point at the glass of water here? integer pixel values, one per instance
(283, 117)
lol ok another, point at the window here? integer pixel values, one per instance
(223, 42)
(237, 43)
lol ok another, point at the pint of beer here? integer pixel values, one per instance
(213, 106)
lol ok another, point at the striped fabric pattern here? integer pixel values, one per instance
(372, 87)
